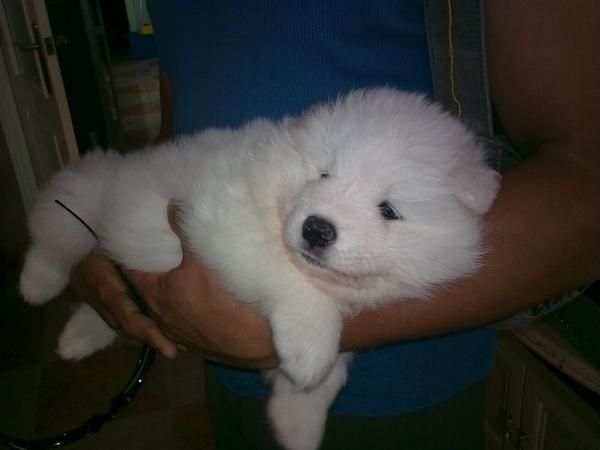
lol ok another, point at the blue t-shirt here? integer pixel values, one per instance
(230, 61)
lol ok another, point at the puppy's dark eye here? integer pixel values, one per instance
(388, 212)
(324, 174)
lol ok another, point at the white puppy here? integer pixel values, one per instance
(375, 197)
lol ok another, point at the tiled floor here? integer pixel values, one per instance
(41, 395)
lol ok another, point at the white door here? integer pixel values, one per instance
(38, 94)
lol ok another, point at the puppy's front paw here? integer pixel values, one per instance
(298, 420)
(307, 348)
(84, 334)
(306, 366)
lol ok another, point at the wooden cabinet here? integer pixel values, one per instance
(529, 408)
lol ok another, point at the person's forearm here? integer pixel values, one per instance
(543, 239)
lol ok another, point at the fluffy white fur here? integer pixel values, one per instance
(246, 195)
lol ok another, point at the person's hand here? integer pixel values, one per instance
(190, 311)
(96, 282)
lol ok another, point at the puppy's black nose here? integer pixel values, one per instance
(317, 232)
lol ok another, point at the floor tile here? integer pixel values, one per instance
(21, 324)
(152, 431)
(192, 428)
(19, 390)
(185, 380)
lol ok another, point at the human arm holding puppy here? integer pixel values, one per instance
(544, 228)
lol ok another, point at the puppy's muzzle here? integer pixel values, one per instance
(318, 232)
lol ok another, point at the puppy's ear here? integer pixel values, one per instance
(476, 186)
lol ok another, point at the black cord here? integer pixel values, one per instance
(118, 402)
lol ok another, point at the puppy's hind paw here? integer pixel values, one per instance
(41, 279)
(84, 334)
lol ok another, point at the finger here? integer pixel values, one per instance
(151, 334)
(104, 314)
(145, 283)
(137, 325)
(148, 331)
(94, 280)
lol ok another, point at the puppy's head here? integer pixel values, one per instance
(393, 207)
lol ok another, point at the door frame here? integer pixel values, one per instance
(14, 132)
